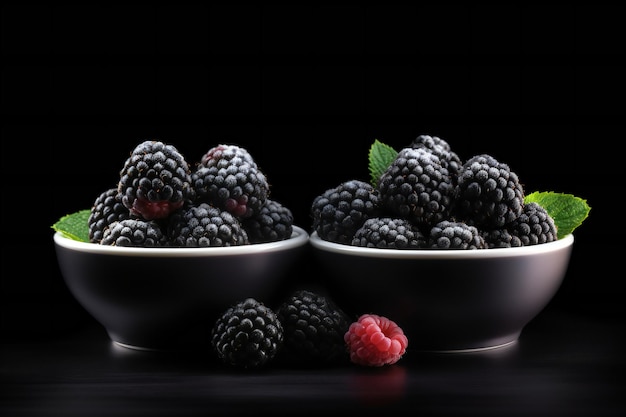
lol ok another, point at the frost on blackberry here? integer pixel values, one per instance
(106, 209)
(338, 212)
(534, 226)
(416, 186)
(488, 194)
(449, 159)
(273, 222)
(203, 225)
(229, 178)
(247, 335)
(501, 238)
(155, 180)
(134, 233)
(389, 233)
(455, 235)
(314, 327)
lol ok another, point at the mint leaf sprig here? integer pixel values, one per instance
(74, 226)
(567, 210)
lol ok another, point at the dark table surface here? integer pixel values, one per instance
(565, 363)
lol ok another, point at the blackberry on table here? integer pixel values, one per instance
(389, 233)
(106, 209)
(155, 180)
(488, 194)
(203, 225)
(247, 335)
(135, 233)
(229, 178)
(314, 327)
(338, 212)
(449, 234)
(416, 186)
(534, 226)
(273, 222)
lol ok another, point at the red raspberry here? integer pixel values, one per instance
(375, 341)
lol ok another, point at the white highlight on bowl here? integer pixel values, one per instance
(298, 238)
(339, 248)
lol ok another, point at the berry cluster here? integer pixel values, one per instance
(162, 200)
(428, 198)
(306, 329)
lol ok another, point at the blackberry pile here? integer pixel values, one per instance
(221, 200)
(440, 202)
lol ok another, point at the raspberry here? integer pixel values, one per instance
(375, 341)
(247, 335)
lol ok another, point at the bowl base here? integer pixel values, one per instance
(470, 350)
(140, 348)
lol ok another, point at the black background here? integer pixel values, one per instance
(306, 89)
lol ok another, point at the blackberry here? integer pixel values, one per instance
(488, 194)
(338, 212)
(229, 178)
(314, 327)
(273, 222)
(416, 186)
(155, 180)
(203, 225)
(389, 233)
(106, 209)
(501, 238)
(247, 335)
(134, 232)
(455, 235)
(534, 226)
(449, 159)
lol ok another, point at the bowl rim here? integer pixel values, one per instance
(299, 237)
(358, 251)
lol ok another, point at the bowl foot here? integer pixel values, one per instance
(139, 348)
(470, 350)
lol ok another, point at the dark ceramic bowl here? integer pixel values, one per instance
(447, 300)
(169, 298)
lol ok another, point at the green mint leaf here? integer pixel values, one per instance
(567, 210)
(380, 157)
(74, 226)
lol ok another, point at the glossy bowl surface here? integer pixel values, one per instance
(447, 300)
(168, 298)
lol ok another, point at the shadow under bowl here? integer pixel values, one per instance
(169, 298)
(447, 300)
